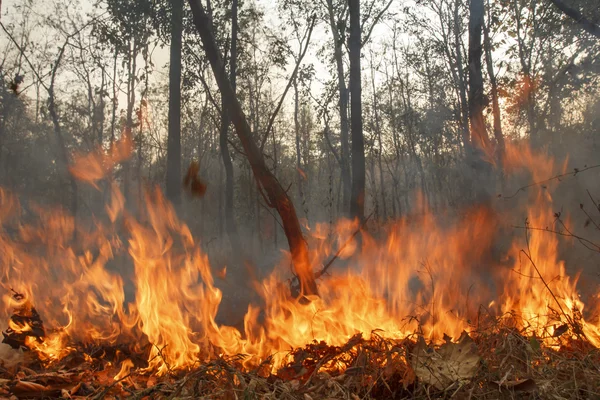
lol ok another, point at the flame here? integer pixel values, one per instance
(435, 276)
(126, 367)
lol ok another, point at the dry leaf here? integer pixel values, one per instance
(192, 183)
(452, 362)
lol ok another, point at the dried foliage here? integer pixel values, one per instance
(498, 362)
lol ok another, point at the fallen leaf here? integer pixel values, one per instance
(452, 362)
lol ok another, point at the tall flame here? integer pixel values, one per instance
(432, 278)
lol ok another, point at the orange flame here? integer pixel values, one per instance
(432, 278)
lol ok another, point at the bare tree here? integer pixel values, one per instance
(174, 138)
(357, 202)
(274, 194)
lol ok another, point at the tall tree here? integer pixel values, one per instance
(174, 138)
(223, 136)
(337, 30)
(494, 89)
(357, 201)
(268, 185)
(479, 137)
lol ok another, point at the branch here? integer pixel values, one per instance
(295, 287)
(333, 151)
(290, 81)
(575, 172)
(375, 21)
(585, 23)
(22, 51)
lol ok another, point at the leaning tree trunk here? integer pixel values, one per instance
(174, 137)
(268, 185)
(357, 201)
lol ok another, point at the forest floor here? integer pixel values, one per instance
(492, 362)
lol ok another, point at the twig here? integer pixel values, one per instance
(568, 318)
(593, 201)
(291, 80)
(295, 286)
(103, 393)
(585, 242)
(574, 173)
(326, 266)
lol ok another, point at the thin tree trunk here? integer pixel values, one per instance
(357, 202)
(132, 67)
(297, 132)
(494, 91)
(113, 120)
(58, 132)
(230, 224)
(379, 143)
(479, 136)
(462, 86)
(268, 185)
(343, 105)
(174, 138)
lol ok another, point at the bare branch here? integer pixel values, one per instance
(290, 81)
(375, 22)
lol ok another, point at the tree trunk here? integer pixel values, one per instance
(343, 105)
(297, 132)
(230, 224)
(494, 86)
(357, 201)
(58, 132)
(174, 138)
(462, 86)
(379, 142)
(479, 136)
(268, 185)
(131, 70)
(113, 119)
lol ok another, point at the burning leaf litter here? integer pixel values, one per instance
(377, 368)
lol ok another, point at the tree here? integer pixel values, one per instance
(494, 90)
(357, 202)
(174, 138)
(479, 137)
(274, 194)
(230, 224)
